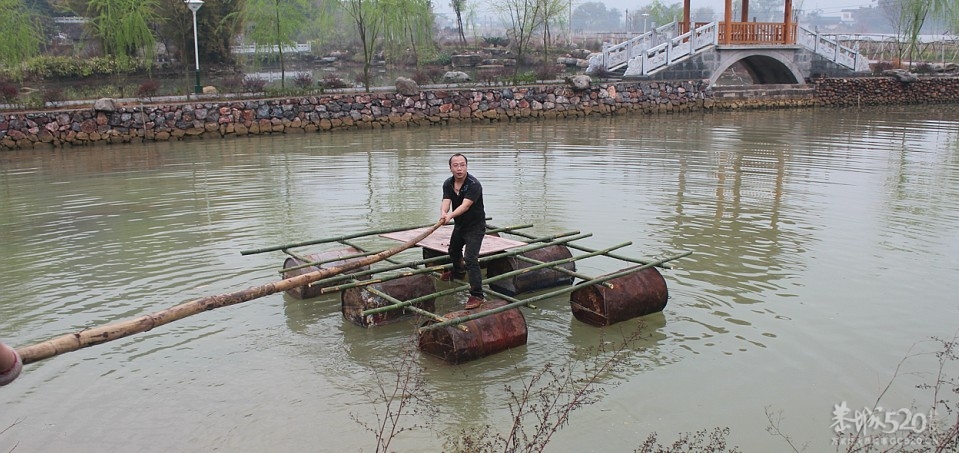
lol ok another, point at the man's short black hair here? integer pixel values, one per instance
(458, 154)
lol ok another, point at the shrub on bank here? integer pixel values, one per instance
(47, 66)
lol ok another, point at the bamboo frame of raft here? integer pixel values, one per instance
(498, 277)
(512, 302)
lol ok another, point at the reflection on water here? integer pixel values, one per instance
(815, 234)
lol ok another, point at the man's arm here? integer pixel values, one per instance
(456, 212)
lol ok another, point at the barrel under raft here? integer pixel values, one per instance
(632, 295)
(485, 336)
(356, 300)
(532, 280)
(311, 291)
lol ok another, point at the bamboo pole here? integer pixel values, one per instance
(587, 249)
(109, 332)
(550, 294)
(333, 239)
(416, 310)
(365, 253)
(308, 263)
(499, 277)
(561, 270)
(504, 254)
(553, 240)
(338, 239)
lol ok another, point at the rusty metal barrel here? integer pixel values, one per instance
(311, 291)
(533, 280)
(485, 336)
(636, 294)
(356, 300)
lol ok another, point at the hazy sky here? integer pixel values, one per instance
(828, 7)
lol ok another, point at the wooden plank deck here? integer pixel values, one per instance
(440, 240)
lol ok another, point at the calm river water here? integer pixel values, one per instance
(825, 249)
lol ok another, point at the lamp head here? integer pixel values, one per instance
(194, 5)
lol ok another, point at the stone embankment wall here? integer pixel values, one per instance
(216, 119)
(885, 91)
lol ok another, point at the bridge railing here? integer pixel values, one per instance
(675, 49)
(266, 48)
(832, 50)
(616, 56)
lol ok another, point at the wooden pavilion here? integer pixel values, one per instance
(746, 32)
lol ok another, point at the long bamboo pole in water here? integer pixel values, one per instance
(109, 332)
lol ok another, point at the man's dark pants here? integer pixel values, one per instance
(470, 236)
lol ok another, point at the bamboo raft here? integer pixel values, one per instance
(373, 296)
(400, 290)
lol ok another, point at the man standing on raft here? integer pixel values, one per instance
(463, 200)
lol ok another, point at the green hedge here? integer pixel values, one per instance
(46, 67)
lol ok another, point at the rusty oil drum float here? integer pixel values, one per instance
(455, 346)
(543, 278)
(632, 295)
(357, 299)
(481, 337)
(294, 266)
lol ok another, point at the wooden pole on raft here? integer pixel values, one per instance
(627, 271)
(109, 332)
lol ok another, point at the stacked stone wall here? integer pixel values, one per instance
(135, 123)
(844, 92)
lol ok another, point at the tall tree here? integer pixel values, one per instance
(554, 13)
(376, 20)
(276, 23)
(21, 34)
(522, 19)
(410, 31)
(458, 7)
(369, 18)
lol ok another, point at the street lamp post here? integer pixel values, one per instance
(645, 16)
(195, 5)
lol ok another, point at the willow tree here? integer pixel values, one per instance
(22, 35)
(376, 20)
(412, 30)
(124, 27)
(909, 16)
(275, 23)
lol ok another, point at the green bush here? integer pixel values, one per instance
(440, 59)
(526, 77)
(46, 66)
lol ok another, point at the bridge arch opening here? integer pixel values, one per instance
(742, 68)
